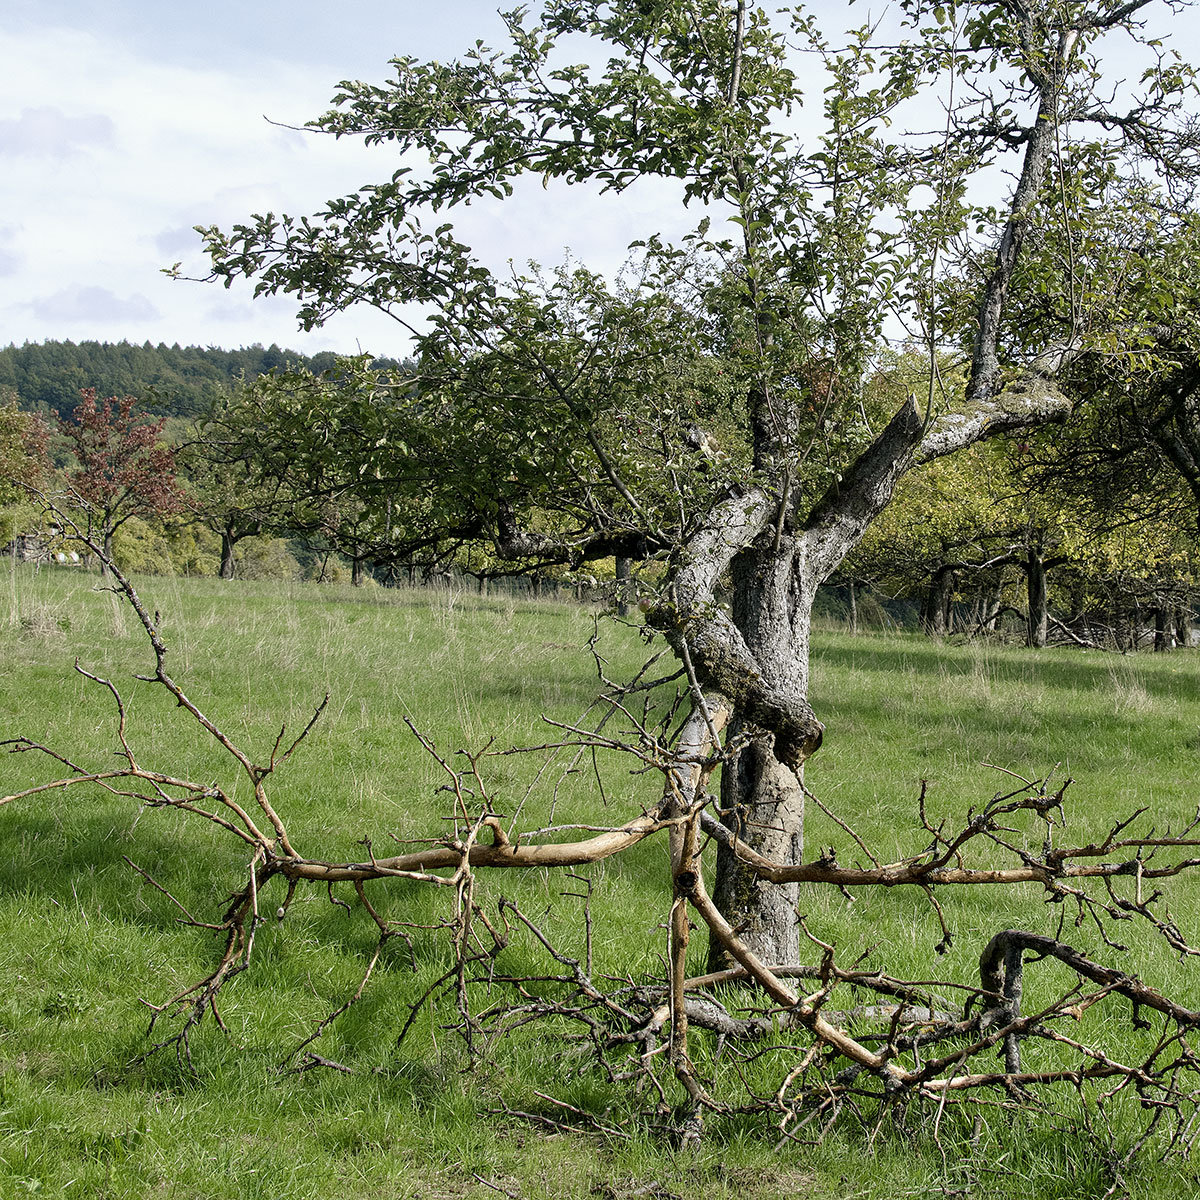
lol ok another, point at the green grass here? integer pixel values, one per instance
(83, 938)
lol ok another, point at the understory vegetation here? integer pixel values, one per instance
(89, 936)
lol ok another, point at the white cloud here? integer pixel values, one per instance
(173, 122)
(172, 148)
(48, 132)
(232, 314)
(93, 305)
(10, 256)
(179, 240)
(174, 141)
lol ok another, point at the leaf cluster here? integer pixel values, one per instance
(122, 467)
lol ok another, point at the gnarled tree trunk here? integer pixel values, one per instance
(937, 611)
(757, 656)
(762, 798)
(228, 563)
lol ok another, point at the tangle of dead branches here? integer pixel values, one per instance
(841, 1040)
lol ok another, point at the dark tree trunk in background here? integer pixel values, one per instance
(1039, 614)
(624, 585)
(1162, 627)
(228, 563)
(937, 612)
(994, 603)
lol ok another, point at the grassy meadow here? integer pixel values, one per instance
(85, 939)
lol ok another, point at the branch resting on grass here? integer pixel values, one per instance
(832, 1057)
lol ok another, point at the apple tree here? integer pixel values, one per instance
(562, 417)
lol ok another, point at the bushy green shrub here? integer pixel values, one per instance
(170, 546)
(267, 558)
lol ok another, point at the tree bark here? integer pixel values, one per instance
(1039, 614)
(938, 609)
(624, 583)
(993, 604)
(228, 563)
(1162, 630)
(762, 798)
(758, 655)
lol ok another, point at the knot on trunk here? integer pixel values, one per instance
(716, 651)
(798, 740)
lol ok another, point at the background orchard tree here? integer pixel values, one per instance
(1127, 471)
(1137, 452)
(565, 418)
(24, 464)
(24, 457)
(122, 469)
(989, 534)
(1133, 585)
(228, 489)
(948, 532)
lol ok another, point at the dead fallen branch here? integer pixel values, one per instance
(799, 1044)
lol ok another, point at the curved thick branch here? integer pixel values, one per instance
(1039, 150)
(501, 853)
(840, 518)
(917, 872)
(1029, 400)
(992, 969)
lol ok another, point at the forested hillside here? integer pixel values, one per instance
(170, 380)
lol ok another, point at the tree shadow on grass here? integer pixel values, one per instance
(1172, 676)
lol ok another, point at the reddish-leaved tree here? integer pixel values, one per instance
(123, 470)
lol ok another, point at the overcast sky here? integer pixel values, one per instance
(124, 123)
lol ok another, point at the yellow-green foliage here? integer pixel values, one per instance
(266, 558)
(177, 546)
(169, 546)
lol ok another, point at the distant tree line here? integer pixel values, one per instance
(170, 381)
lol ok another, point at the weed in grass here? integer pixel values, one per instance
(65, 1003)
(1129, 694)
(43, 622)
